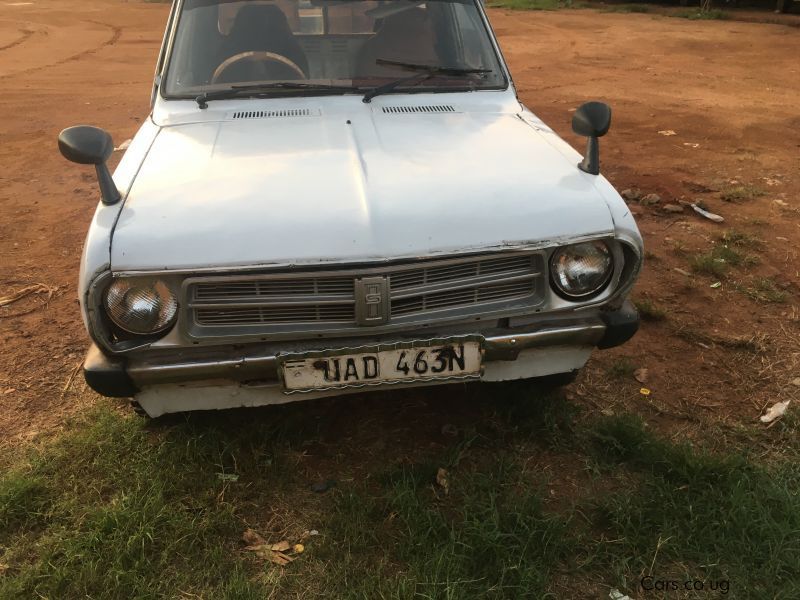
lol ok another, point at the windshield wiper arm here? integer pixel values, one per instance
(425, 72)
(236, 91)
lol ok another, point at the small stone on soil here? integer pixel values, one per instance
(673, 208)
(632, 194)
(650, 199)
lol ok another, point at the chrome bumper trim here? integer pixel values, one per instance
(252, 365)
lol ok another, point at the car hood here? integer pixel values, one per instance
(313, 189)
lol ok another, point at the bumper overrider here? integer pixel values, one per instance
(122, 377)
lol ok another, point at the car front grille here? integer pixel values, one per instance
(326, 302)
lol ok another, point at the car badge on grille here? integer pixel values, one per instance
(372, 300)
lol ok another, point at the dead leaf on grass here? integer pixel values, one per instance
(251, 538)
(441, 480)
(281, 546)
(279, 558)
(776, 411)
(640, 375)
(274, 553)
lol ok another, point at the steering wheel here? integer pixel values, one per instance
(255, 56)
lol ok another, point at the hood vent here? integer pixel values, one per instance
(430, 108)
(275, 114)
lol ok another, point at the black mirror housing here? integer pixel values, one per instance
(592, 120)
(87, 145)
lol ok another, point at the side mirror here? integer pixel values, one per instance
(86, 145)
(592, 120)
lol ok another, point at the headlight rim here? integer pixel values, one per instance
(162, 329)
(602, 287)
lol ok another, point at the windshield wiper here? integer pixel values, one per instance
(256, 89)
(425, 72)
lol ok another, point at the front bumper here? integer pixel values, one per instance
(120, 377)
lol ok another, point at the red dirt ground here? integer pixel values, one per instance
(727, 89)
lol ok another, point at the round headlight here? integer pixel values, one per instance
(581, 270)
(141, 307)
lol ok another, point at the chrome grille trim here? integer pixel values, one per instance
(324, 302)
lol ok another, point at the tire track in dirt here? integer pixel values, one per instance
(26, 34)
(116, 34)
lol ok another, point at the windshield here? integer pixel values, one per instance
(354, 45)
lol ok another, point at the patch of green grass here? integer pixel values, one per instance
(649, 310)
(103, 512)
(117, 508)
(728, 255)
(489, 537)
(740, 239)
(691, 514)
(717, 262)
(715, 14)
(738, 193)
(622, 368)
(765, 290)
(23, 501)
(709, 264)
(734, 238)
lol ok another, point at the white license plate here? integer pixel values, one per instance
(396, 363)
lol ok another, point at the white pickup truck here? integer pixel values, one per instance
(333, 196)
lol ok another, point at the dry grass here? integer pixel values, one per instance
(738, 193)
(765, 291)
(756, 343)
